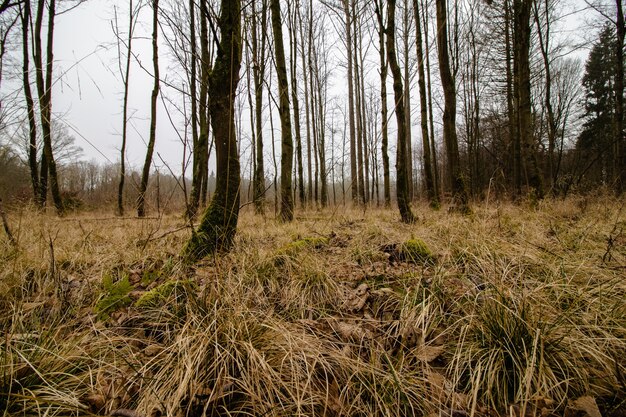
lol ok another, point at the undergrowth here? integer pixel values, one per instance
(510, 311)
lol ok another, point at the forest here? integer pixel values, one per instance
(378, 208)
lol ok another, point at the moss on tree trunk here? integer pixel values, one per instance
(219, 222)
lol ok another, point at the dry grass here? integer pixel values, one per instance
(522, 312)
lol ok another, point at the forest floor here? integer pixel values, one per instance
(513, 310)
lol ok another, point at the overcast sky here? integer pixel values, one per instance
(88, 94)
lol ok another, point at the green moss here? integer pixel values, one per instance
(307, 242)
(294, 248)
(115, 295)
(158, 296)
(416, 251)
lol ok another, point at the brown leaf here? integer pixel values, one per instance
(96, 402)
(428, 353)
(583, 407)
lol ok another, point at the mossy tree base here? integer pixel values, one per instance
(215, 233)
(219, 222)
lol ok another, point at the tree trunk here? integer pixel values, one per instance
(126, 77)
(455, 175)
(407, 98)
(620, 140)
(30, 107)
(354, 180)
(521, 11)
(321, 136)
(296, 105)
(511, 100)
(428, 168)
(258, 73)
(145, 174)
(360, 136)
(219, 222)
(44, 89)
(200, 154)
(544, 45)
(431, 119)
(286, 157)
(402, 179)
(383, 101)
(193, 91)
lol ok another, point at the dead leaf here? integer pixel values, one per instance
(428, 353)
(96, 402)
(152, 350)
(584, 407)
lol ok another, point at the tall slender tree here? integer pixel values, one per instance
(521, 84)
(383, 101)
(30, 104)
(354, 181)
(286, 161)
(44, 89)
(620, 139)
(402, 175)
(145, 174)
(201, 145)
(455, 175)
(258, 72)
(125, 74)
(296, 104)
(427, 159)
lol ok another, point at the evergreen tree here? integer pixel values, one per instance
(596, 142)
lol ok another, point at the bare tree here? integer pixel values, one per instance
(402, 175)
(521, 83)
(30, 104)
(145, 174)
(286, 161)
(293, 42)
(219, 222)
(427, 159)
(133, 13)
(383, 98)
(455, 175)
(44, 89)
(620, 139)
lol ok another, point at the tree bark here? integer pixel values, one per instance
(383, 101)
(145, 174)
(402, 179)
(30, 106)
(286, 161)
(407, 99)
(126, 78)
(354, 180)
(193, 91)
(44, 88)
(455, 175)
(511, 100)
(620, 139)
(521, 77)
(201, 148)
(258, 57)
(296, 105)
(431, 119)
(360, 136)
(219, 222)
(428, 168)
(306, 109)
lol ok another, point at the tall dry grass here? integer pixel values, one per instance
(522, 312)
